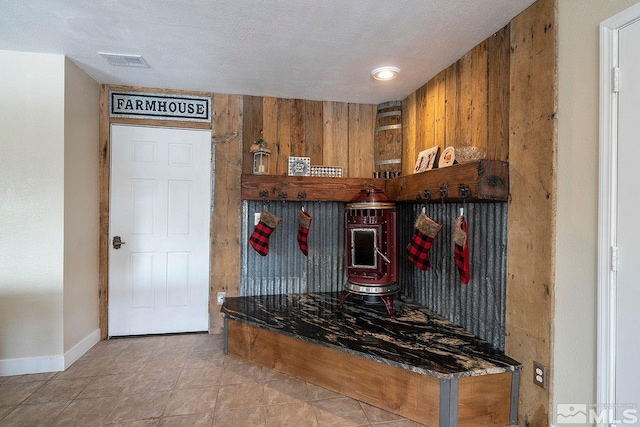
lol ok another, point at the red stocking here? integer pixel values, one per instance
(259, 239)
(461, 249)
(426, 230)
(304, 221)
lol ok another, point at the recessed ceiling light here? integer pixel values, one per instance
(385, 73)
(120, 60)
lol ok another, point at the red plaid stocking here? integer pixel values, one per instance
(304, 221)
(461, 249)
(423, 236)
(259, 239)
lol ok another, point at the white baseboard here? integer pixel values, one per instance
(37, 365)
(31, 365)
(81, 348)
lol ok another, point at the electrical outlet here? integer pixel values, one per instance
(256, 218)
(539, 375)
(221, 296)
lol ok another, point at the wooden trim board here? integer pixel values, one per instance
(486, 180)
(480, 401)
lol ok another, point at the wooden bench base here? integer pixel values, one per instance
(474, 401)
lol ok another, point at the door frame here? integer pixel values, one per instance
(204, 142)
(607, 205)
(105, 187)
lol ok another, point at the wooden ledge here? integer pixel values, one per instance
(484, 180)
(310, 188)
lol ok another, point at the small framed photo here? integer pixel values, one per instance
(426, 160)
(447, 157)
(299, 166)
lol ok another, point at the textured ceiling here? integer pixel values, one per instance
(309, 49)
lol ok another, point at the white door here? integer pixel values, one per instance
(159, 208)
(628, 228)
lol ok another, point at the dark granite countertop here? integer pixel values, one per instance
(417, 340)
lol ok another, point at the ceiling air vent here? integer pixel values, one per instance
(135, 61)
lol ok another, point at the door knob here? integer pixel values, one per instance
(117, 242)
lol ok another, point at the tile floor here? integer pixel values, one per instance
(176, 380)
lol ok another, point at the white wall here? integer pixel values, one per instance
(39, 138)
(574, 376)
(81, 205)
(31, 204)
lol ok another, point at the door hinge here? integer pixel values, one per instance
(615, 77)
(614, 258)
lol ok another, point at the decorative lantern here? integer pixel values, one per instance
(260, 157)
(261, 161)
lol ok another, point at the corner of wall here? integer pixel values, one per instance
(81, 204)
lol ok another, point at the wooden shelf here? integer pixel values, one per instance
(484, 180)
(280, 187)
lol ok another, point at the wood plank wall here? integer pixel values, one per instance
(502, 96)
(531, 226)
(465, 104)
(226, 217)
(330, 133)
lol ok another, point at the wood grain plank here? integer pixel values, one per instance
(533, 102)
(226, 216)
(283, 136)
(487, 180)
(315, 188)
(498, 96)
(251, 128)
(270, 118)
(421, 119)
(335, 148)
(104, 179)
(403, 392)
(314, 128)
(479, 90)
(464, 129)
(439, 116)
(430, 115)
(484, 400)
(361, 140)
(452, 94)
(298, 133)
(409, 143)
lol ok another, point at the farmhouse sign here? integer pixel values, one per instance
(138, 105)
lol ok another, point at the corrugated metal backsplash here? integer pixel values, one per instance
(478, 306)
(285, 269)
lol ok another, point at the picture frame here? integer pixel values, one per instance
(447, 157)
(426, 159)
(299, 166)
